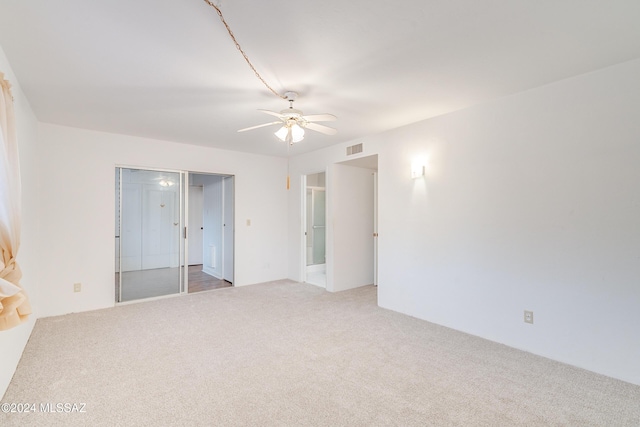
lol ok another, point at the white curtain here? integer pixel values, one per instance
(14, 303)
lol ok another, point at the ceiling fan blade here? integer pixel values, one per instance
(260, 126)
(321, 128)
(273, 113)
(320, 118)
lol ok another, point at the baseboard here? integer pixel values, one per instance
(211, 272)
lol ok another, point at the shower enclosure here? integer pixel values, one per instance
(316, 226)
(315, 207)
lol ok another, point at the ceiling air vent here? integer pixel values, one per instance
(354, 149)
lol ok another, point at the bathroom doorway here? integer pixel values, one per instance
(315, 229)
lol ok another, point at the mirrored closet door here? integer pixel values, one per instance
(149, 225)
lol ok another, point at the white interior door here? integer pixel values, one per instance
(160, 227)
(196, 225)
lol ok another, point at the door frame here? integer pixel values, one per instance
(228, 232)
(190, 231)
(375, 228)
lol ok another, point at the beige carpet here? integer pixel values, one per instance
(291, 354)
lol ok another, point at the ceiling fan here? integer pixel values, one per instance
(294, 122)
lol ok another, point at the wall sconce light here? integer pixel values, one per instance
(417, 170)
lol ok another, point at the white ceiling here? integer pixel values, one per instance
(167, 69)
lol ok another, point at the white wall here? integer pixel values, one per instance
(529, 202)
(77, 232)
(350, 227)
(13, 341)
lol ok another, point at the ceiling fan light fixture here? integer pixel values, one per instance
(290, 133)
(297, 133)
(282, 133)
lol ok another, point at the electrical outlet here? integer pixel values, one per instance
(528, 316)
(77, 287)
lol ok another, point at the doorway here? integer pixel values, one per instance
(210, 233)
(315, 229)
(228, 229)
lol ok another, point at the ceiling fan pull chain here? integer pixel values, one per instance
(246, 58)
